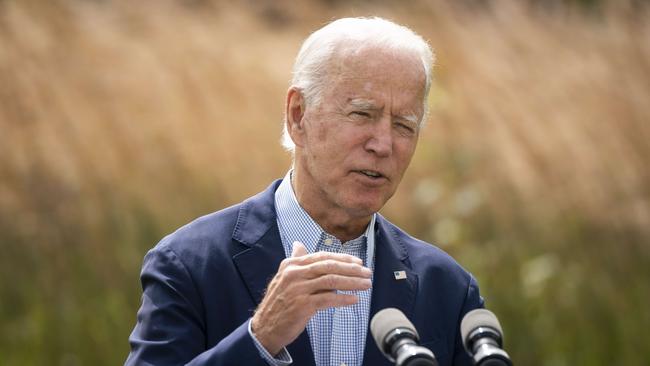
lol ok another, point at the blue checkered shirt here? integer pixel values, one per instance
(337, 335)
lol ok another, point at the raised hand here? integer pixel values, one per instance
(304, 284)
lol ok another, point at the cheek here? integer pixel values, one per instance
(320, 131)
(404, 153)
(320, 135)
(333, 139)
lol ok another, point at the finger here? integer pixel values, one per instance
(334, 282)
(330, 266)
(331, 299)
(321, 256)
(298, 249)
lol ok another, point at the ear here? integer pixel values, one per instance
(295, 113)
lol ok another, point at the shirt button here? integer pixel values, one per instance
(328, 241)
(343, 364)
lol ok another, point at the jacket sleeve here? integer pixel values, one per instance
(170, 328)
(473, 300)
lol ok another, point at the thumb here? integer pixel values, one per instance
(298, 249)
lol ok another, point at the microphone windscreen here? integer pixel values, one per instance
(479, 318)
(386, 321)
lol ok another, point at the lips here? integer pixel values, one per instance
(372, 174)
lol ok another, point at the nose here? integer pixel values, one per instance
(380, 141)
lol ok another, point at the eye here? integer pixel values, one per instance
(405, 128)
(360, 114)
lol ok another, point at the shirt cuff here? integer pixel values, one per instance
(282, 359)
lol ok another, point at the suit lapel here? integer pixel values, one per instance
(258, 264)
(257, 229)
(389, 291)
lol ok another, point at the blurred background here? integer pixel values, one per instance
(122, 120)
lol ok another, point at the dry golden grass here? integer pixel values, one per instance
(120, 120)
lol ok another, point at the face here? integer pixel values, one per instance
(353, 148)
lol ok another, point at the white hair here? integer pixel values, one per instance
(310, 69)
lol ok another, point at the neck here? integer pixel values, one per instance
(334, 219)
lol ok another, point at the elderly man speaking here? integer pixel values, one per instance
(293, 274)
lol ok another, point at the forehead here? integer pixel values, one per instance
(378, 75)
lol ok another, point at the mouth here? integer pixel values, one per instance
(371, 174)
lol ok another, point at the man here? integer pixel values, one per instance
(293, 274)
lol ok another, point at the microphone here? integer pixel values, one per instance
(483, 338)
(397, 339)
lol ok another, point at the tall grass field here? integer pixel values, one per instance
(122, 120)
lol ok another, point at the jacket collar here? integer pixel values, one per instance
(256, 217)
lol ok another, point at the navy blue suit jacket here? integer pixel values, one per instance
(202, 283)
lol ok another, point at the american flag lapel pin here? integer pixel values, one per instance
(400, 275)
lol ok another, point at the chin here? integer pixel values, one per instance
(363, 202)
(365, 208)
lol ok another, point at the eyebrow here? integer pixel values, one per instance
(362, 103)
(410, 118)
(366, 104)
